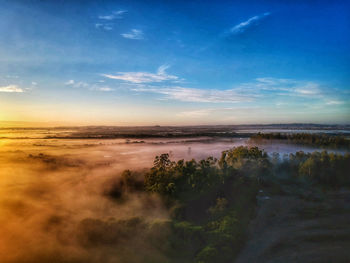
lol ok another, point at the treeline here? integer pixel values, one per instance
(212, 201)
(334, 141)
(149, 135)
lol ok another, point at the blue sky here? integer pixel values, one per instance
(174, 62)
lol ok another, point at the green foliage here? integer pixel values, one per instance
(220, 206)
(212, 201)
(211, 198)
(207, 254)
(326, 169)
(161, 179)
(227, 225)
(177, 178)
(322, 168)
(251, 162)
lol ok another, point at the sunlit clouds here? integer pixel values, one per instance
(143, 77)
(11, 88)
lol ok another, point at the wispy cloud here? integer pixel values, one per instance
(281, 92)
(161, 70)
(243, 26)
(198, 95)
(106, 21)
(108, 17)
(335, 102)
(93, 86)
(11, 88)
(308, 89)
(103, 88)
(144, 77)
(223, 112)
(235, 30)
(12, 77)
(283, 86)
(107, 27)
(299, 89)
(69, 82)
(195, 113)
(136, 34)
(74, 84)
(115, 15)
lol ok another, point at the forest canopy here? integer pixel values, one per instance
(323, 140)
(211, 201)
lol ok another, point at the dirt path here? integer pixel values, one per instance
(291, 229)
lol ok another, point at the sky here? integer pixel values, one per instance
(175, 62)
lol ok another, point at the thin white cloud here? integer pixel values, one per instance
(108, 17)
(75, 84)
(107, 27)
(243, 26)
(279, 91)
(222, 112)
(144, 77)
(115, 15)
(287, 86)
(81, 84)
(136, 34)
(103, 88)
(198, 95)
(12, 77)
(299, 89)
(161, 70)
(308, 91)
(195, 113)
(11, 88)
(106, 21)
(275, 81)
(335, 102)
(69, 82)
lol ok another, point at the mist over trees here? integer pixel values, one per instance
(323, 140)
(211, 201)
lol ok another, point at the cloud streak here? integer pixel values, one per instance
(235, 30)
(335, 102)
(103, 88)
(144, 77)
(135, 34)
(281, 92)
(226, 111)
(115, 15)
(75, 84)
(198, 95)
(243, 26)
(81, 84)
(107, 27)
(11, 89)
(106, 21)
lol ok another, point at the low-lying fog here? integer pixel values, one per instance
(50, 189)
